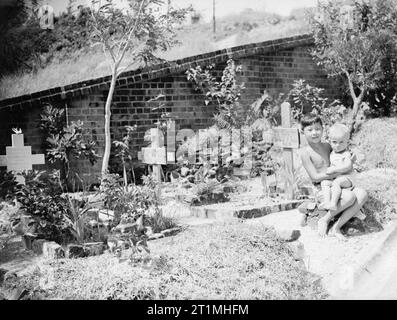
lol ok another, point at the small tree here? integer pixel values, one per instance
(224, 94)
(356, 42)
(65, 142)
(140, 33)
(123, 151)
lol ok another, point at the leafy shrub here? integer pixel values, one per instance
(224, 93)
(123, 150)
(47, 209)
(159, 222)
(53, 215)
(65, 143)
(128, 203)
(8, 184)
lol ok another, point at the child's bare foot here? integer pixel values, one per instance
(322, 226)
(337, 233)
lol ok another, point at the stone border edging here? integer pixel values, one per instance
(243, 213)
(371, 260)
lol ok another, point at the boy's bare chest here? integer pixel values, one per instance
(320, 158)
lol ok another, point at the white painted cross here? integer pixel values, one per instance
(154, 155)
(19, 157)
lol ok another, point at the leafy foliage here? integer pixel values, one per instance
(47, 209)
(358, 43)
(224, 93)
(8, 184)
(54, 215)
(65, 142)
(123, 150)
(306, 98)
(28, 47)
(128, 204)
(141, 31)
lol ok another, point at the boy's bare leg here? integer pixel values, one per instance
(347, 199)
(361, 197)
(326, 191)
(336, 190)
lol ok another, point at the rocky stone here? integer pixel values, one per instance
(170, 232)
(75, 251)
(19, 294)
(184, 171)
(3, 272)
(37, 246)
(186, 185)
(149, 230)
(93, 223)
(27, 240)
(112, 244)
(297, 249)
(10, 276)
(354, 227)
(155, 236)
(52, 250)
(94, 248)
(288, 234)
(126, 227)
(105, 215)
(306, 207)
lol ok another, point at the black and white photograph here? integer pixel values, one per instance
(215, 152)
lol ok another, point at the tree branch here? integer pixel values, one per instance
(124, 49)
(351, 87)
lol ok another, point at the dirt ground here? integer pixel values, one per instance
(328, 257)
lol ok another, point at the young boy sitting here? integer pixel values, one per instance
(316, 161)
(341, 164)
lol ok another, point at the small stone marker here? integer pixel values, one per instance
(288, 139)
(19, 157)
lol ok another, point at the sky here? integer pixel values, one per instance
(222, 7)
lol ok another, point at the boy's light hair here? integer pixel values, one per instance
(339, 130)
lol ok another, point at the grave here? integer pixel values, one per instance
(154, 155)
(19, 157)
(288, 139)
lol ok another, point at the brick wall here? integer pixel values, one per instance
(273, 70)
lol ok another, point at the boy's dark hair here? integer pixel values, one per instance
(310, 119)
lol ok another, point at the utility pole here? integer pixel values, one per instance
(213, 17)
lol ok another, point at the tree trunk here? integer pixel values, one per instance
(356, 107)
(108, 142)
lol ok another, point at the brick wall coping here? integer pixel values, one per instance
(153, 72)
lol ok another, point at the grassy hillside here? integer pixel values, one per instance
(197, 38)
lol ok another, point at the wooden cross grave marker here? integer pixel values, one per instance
(19, 157)
(287, 138)
(154, 155)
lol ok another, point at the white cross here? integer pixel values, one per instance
(19, 157)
